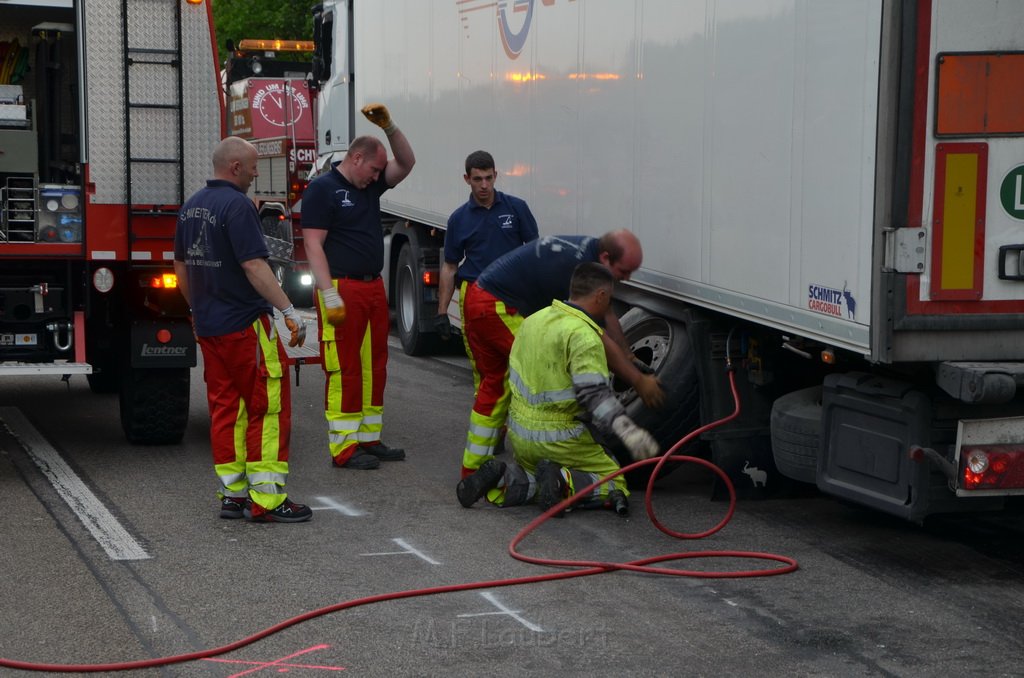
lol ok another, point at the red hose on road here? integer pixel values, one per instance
(588, 567)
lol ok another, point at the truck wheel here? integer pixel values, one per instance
(664, 346)
(408, 304)
(796, 433)
(154, 405)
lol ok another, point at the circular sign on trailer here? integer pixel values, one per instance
(1011, 192)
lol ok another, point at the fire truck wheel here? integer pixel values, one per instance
(664, 346)
(408, 305)
(154, 405)
(796, 433)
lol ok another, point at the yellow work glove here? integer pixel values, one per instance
(638, 441)
(334, 307)
(295, 325)
(649, 389)
(379, 116)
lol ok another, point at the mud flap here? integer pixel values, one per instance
(162, 344)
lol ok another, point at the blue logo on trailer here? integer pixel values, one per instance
(514, 42)
(511, 39)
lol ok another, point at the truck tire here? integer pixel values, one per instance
(664, 346)
(154, 405)
(796, 433)
(408, 306)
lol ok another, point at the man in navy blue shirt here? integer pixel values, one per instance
(486, 226)
(482, 229)
(345, 246)
(522, 282)
(220, 259)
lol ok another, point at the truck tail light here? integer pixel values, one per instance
(162, 281)
(430, 278)
(992, 467)
(296, 189)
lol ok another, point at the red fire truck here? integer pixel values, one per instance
(270, 103)
(107, 123)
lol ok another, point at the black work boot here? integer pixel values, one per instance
(383, 452)
(551, 485)
(472, 487)
(360, 460)
(287, 512)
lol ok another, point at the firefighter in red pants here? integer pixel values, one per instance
(345, 247)
(513, 287)
(220, 260)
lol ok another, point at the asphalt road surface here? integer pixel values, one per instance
(112, 553)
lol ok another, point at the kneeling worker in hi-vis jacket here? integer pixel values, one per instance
(560, 384)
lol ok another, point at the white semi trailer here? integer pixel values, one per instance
(838, 185)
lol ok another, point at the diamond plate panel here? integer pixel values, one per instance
(154, 133)
(202, 112)
(151, 24)
(154, 184)
(104, 75)
(154, 83)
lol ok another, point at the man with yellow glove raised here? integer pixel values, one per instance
(220, 258)
(345, 247)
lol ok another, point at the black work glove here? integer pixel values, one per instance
(443, 326)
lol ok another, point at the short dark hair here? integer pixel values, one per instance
(481, 160)
(588, 278)
(365, 144)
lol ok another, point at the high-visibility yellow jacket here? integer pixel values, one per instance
(558, 373)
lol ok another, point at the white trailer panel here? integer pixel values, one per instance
(695, 124)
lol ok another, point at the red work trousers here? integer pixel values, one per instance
(490, 328)
(250, 411)
(355, 359)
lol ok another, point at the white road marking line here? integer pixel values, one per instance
(493, 600)
(100, 522)
(331, 505)
(409, 550)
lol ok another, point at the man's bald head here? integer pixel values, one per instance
(620, 251)
(234, 160)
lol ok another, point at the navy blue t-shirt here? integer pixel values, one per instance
(351, 217)
(218, 228)
(533, 275)
(481, 235)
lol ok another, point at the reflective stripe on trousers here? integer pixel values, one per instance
(580, 453)
(250, 412)
(463, 288)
